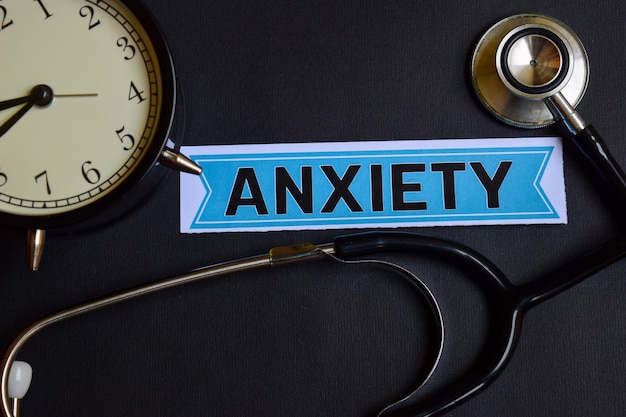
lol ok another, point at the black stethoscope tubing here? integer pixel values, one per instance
(507, 303)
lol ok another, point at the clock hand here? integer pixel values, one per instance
(14, 119)
(7, 104)
(77, 95)
(40, 95)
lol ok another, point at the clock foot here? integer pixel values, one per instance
(35, 240)
(176, 160)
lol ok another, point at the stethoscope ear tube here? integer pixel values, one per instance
(275, 257)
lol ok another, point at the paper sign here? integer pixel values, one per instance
(373, 184)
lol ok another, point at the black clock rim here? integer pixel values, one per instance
(90, 213)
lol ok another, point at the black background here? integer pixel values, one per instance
(317, 339)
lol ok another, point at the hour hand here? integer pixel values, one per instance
(7, 104)
(40, 95)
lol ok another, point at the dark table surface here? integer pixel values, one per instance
(326, 340)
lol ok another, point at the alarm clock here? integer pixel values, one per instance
(87, 102)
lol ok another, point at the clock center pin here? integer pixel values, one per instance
(42, 95)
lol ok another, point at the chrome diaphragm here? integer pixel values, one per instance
(524, 59)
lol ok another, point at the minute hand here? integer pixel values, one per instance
(14, 119)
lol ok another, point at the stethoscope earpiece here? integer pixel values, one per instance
(524, 60)
(19, 379)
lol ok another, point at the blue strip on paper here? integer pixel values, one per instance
(389, 186)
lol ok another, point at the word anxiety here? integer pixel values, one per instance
(247, 191)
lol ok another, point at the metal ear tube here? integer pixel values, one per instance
(340, 251)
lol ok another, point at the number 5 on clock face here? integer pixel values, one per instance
(86, 103)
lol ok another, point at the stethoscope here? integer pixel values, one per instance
(532, 70)
(529, 71)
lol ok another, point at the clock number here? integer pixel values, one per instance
(91, 175)
(126, 47)
(44, 175)
(134, 93)
(48, 14)
(87, 11)
(3, 179)
(5, 22)
(126, 139)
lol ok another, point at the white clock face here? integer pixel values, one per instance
(98, 62)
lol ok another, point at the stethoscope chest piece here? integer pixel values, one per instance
(524, 59)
